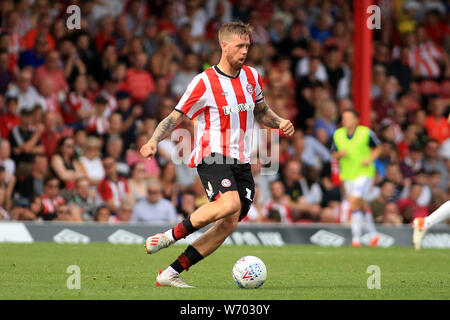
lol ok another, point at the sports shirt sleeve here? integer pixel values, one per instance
(259, 95)
(374, 141)
(193, 101)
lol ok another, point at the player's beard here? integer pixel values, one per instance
(236, 64)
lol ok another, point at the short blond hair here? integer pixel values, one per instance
(235, 27)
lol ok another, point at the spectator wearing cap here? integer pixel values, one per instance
(10, 118)
(154, 208)
(139, 81)
(98, 123)
(26, 94)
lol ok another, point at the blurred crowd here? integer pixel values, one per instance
(77, 105)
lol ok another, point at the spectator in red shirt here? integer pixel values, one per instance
(113, 189)
(105, 34)
(435, 28)
(409, 208)
(11, 118)
(51, 69)
(139, 81)
(52, 134)
(436, 124)
(51, 198)
(42, 26)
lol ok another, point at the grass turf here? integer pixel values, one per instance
(38, 271)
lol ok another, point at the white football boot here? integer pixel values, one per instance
(419, 232)
(157, 242)
(170, 279)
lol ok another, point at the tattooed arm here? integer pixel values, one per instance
(266, 116)
(162, 131)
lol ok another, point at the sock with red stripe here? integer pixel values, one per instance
(188, 258)
(182, 230)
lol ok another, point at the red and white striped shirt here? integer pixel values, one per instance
(426, 58)
(283, 209)
(223, 107)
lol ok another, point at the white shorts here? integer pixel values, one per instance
(358, 188)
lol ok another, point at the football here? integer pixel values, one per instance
(249, 272)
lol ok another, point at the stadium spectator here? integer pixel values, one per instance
(25, 141)
(51, 198)
(137, 182)
(386, 195)
(83, 203)
(186, 204)
(133, 156)
(77, 107)
(409, 208)
(98, 123)
(63, 164)
(10, 118)
(114, 149)
(139, 81)
(278, 202)
(32, 184)
(154, 208)
(113, 189)
(51, 70)
(34, 57)
(90, 162)
(432, 162)
(26, 94)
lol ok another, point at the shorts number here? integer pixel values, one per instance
(249, 194)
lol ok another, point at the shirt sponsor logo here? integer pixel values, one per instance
(238, 108)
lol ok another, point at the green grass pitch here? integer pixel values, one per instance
(38, 271)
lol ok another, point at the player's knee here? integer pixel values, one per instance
(229, 224)
(230, 203)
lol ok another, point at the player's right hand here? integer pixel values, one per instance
(148, 150)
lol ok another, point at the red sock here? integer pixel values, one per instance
(183, 229)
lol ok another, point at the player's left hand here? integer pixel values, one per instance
(366, 162)
(287, 127)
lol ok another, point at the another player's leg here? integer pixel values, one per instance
(227, 204)
(421, 225)
(206, 244)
